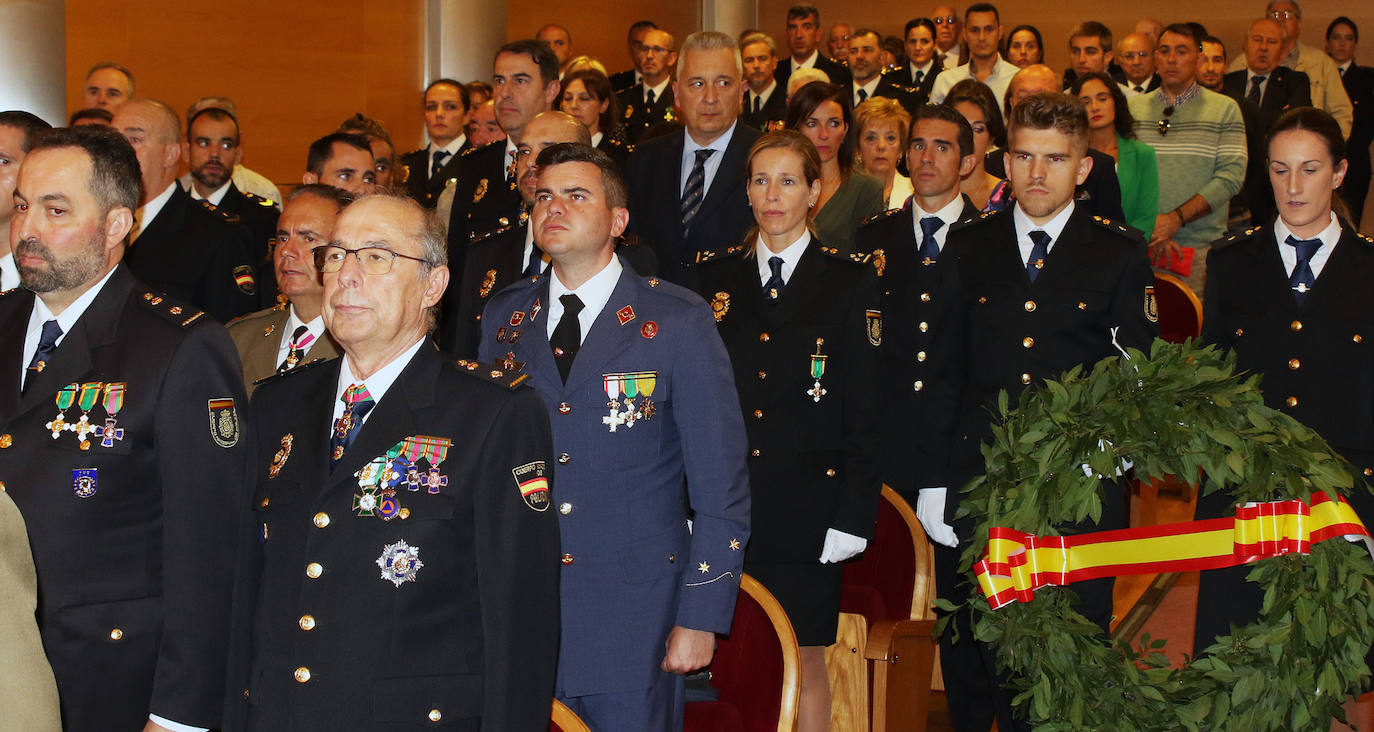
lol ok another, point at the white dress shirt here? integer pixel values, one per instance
(1250, 80)
(594, 294)
(657, 90)
(1329, 236)
(293, 321)
(689, 158)
(948, 214)
(790, 256)
(453, 147)
(41, 314)
(997, 81)
(762, 96)
(924, 71)
(146, 213)
(215, 197)
(1024, 226)
(809, 63)
(529, 246)
(9, 273)
(868, 89)
(377, 384)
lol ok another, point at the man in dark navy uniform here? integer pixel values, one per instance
(650, 102)
(765, 101)
(804, 41)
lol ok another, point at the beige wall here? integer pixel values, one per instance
(598, 26)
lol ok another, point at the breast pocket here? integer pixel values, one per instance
(631, 427)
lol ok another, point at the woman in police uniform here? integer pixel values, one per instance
(800, 321)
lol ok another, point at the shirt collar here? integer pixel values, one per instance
(452, 148)
(790, 256)
(1329, 236)
(378, 383)
(594, 293)
(596, 138)
(810, 61)
(870, 87)
(293, 321)
(1055, 226)
(690, 146)
(766, 94)
(658, 90)
(1345, 66)
(215, 197)
(948, 214)
(149, 211)
(67, 320)
(1188, 95)
(925, 69)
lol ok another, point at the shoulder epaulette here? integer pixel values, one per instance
(416, 151)
(171, 309)
(620, 144)
(476, 238)
(471, 150)
(859, 257)
(255, 198)
(1117, 227)
(1358, 235)
(256, 314)
(882, 216)
(492, 373)
(283, 374)
(11, 290)
(217, 211)
(703, 257)
(1237, 238)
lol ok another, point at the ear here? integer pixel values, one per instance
(966, 165)
(1085, 166)
(605, 104)
(1339, 174)
(620, 218)
(435, 284)
(815, 194)
(552, 91)
(309, 178)
(1107, 58)
(671, 60)
(171, 155)
(118, 223)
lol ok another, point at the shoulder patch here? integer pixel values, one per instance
(255, 198)
(881, 216)
(218, 212)
(298, 369)
(170, 309)
(470, 151)
(491, 373)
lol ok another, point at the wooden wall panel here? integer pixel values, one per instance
(598, 27)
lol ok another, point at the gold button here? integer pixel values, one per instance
(321, 519)
(763, 338)
(1030, 306)
(567, 559)
(6, 440)
(925, 297)
(1358, 338)
(918, 385)
(763, 375)
(830, 472)
(758, 414)
(1082, 306)
(754, 452)
(982, 300)
(564, 408)
(1025, 378)
(672, 558)
(921, 356)
(435, 715)
(565, 508)
(564, 458)
(2, 485)
(1240, 332)
(265, 501)
(1295, 326)
(1291, 401)
(313, 570)
(307, 622)
(302, 674)
(924, 326)
(116, 634)
(1369, 471)
(1027, 342)
(1294, 364)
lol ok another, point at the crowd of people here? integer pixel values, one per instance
(432, 512)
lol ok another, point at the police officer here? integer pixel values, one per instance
(408, 559)
(429, 169)
(650, 102)
(1034, 291)
(120, 444)
(633, 374)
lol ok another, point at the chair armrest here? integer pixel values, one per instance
(885, 635)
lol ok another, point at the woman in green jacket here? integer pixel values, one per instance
(1111, 130)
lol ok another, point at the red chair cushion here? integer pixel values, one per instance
(747, 673)
(712, 716)
(879, 584)
(1178, 318)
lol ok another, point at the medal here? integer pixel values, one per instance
(399, 563)
(629, 386)
(817, 371)
(114, 401)
(65, 398)
(365, 504)
(89, 393)
(611, 382)
(433, 450)
(279, 459)
(83, 482)
(488, 282)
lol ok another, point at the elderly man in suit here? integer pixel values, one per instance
(704, 204)
(120, 443)
(404, 565)
(292, 332)
(1271, 87)
(634, 376)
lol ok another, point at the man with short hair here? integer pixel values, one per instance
(291, 332)
(383, 149)
(420, 517)
(1342, 38)
(90, 116)
(213, 148)
(687, 188)
(559, 40)
(1200, 145)
(1325, 79)
(1006, 332)
(108, 85)
(642, 594)
(245, 179)
(948, 36)
(634, 44)
(839, 42)
(343, 160)
(130, 488)
(187, 248)
(866, 64)
(1090, 50)
(1136, 53)
(483, 128)
(650, 102)
(16, 127)
(1271, 87)
(431, 168)
(922, 60)
(804, 41)
(765, 103)
(983, 34)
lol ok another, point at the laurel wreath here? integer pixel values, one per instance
(1181, 410)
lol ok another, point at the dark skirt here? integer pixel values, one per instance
(809, 592)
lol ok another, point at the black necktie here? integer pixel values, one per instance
(695, 189)
(1254, 94)
(1139, 89)
(1302, 278)
(295, 349)
(930, 250)
(772, 289)
(357, 403)
(919, 76)
(439, 157)
(648, 98)
(536, 259)
(862, 96)
(47, 343)
(758, 104)
(1040, 247)
(567, 335)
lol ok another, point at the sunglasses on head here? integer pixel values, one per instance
(1164, 123)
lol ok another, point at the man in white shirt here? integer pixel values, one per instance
(765, 101)
(16, 127)
(983, 33)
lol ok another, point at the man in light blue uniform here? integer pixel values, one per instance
(641, 399)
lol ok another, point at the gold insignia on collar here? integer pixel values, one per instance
(269, 330)
(480, 191)
(629, 111)
(879, 259)
(720, 305)
(488, 282)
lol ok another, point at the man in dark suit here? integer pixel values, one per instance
(765, 101)
(1033, 291)
(1137, 55)
(650, 102)
(191, 250)
(1271, 87)
(687, 188)
(866, 64)
(420, 519)
(643, 595)
(1255, 200)
(129, 484)
(922, 60)
(804, 40)
(429, 169)
(213, 148)
(634, 46)
(1342, 38)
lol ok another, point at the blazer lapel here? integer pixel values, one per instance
(391, 420)
(608, 336)
(12, 333)
(801, 287)
(1341, 261)
(724, 185)
(262, 354)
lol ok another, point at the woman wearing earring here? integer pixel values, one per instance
(821, 112)
(800, 321)
(1111, 129)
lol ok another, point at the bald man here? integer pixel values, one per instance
(185, 248)
(1324, 77)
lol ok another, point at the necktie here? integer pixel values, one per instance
(758, 104)
(930, 250)
(1302, 278)
(439, 157)
(648, 97)
(567, 335)
(536, 259)
(862, 96)
(1040, 247)
(919, 76)
(357, 403)
(772, 289)
(695, 189)
(47, 343)
(295, 348)
(1254, 94)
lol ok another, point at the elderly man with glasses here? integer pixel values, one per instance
(1328, 92)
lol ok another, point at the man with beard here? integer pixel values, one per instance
(120, 443)
(804, 41)
(865, 62)
(765, 102)
(16, 128)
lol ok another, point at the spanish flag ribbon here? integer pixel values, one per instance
(1016, 564)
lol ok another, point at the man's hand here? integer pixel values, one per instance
(1165, 252)
(1166, 225)
(688, 650)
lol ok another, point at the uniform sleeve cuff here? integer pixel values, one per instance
(174, 726)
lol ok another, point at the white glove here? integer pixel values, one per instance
(1124, 464)
(840, 546)
(930, 509)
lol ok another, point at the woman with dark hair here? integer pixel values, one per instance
(1025, 46)
(1111, 129)
(588, 96)
(974, 100)
(808, 395)
(821, 112)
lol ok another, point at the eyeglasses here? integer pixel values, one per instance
(374, 260)
(1285, 15)
(950, 20)
(1164, 123)
(655, 50)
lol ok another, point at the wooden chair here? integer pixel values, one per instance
(883, 659)
(1180, 310)
(564, 720)
(756, 670)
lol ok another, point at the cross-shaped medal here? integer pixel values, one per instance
(58, 424)
(109, 433)
(615, 418)
(434, 481)
(816, 391)
(414, 479)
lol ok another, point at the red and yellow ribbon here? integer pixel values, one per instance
(1016, 564)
